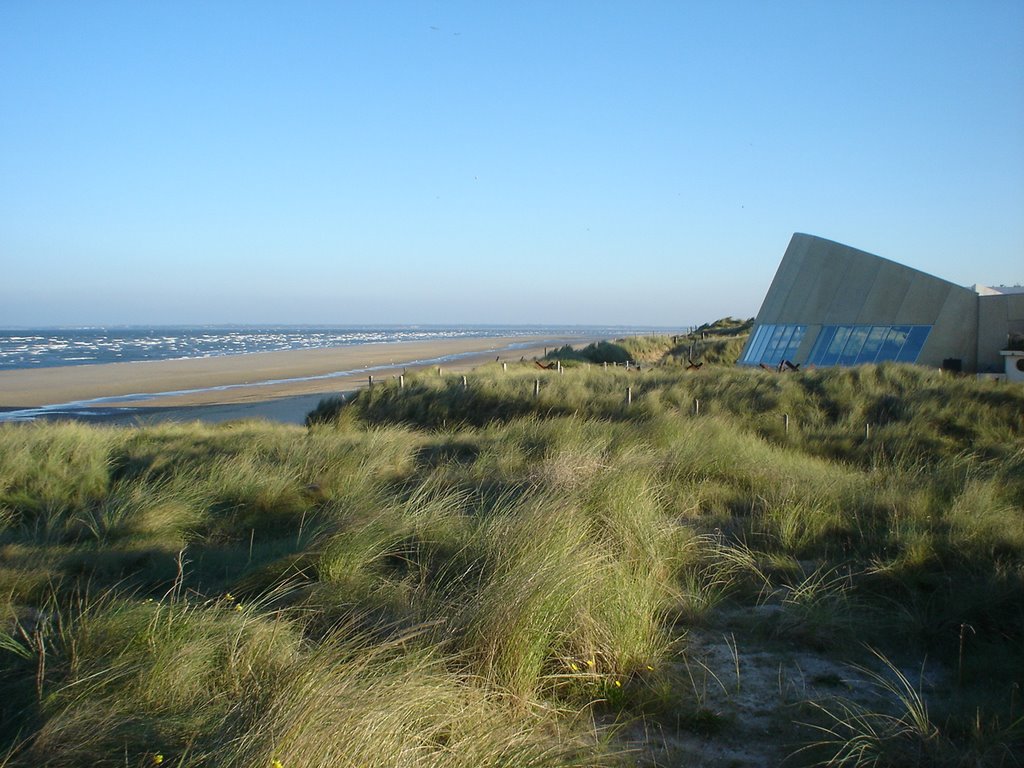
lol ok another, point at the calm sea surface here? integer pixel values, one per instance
(46, 348)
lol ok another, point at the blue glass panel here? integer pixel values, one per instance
(851, 344)
(858, 335)
(781, 345)
(794, 342)
(769, 330)
(872, 344)
(764, 334)
(748, 356)
(836, 347)
(912, 347)
(893, 343)
(769, 350)
(821, 343)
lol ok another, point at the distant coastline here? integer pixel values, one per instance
(37, 348)
(189, 388)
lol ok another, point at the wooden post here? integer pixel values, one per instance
(370, 381)
(504, 367)
(606, 365)
(629, 395)
(785, 422)
(867, 431)
(465, 384)
(401, 381)
(627, 365)
(536, 387)
(439, 370)
(696, 407)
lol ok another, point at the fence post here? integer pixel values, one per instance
(465, 384)
(401, 381)
(370, 381)
(558, 364)
(439, 370)
(606, 365)
(785, 421)
(867, 430)
(504, 367)
(629, 395)
(696, 407)
(536, 387)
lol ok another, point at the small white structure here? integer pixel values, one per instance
(1014, 359)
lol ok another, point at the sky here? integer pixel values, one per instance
(603, 163)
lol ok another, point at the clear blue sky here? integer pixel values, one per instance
(515, 162)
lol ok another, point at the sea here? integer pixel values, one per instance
(53, 347)
(50, 347)
(37, 348)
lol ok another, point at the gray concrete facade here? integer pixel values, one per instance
(822, 284)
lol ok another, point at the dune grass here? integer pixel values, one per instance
(482, 575)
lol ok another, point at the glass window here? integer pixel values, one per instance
(821, 343)
(893, 343)
(751, 343)
(835, 348)
(845, 344)
(773, 342)
(794, 343)
(858, 335)
(761, 337)
(780, 346)
(872, 344)
(912, 347)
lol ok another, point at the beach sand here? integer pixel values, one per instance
(259, 385)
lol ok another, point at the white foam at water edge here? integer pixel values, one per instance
(30, 349)
(87, 407)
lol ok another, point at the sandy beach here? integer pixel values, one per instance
(282, 386)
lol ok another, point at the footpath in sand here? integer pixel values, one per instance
(282, 386)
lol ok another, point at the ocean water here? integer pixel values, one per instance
(51, 348)
(46, 348)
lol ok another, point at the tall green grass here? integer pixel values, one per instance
(440, 574)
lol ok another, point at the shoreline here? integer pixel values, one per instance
(261, 384)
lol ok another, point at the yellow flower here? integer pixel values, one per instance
(650, 668)
(229, 596)
(157, 759)
(277, 764)
(574, 667)
(590, 662)
(238, 606)
(618, 684)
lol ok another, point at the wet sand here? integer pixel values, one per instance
(274, 385)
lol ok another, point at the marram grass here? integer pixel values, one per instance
(440, 575)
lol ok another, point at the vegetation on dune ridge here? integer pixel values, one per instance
(714, 343)
(474, 575)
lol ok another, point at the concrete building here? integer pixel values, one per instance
(830, 304)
